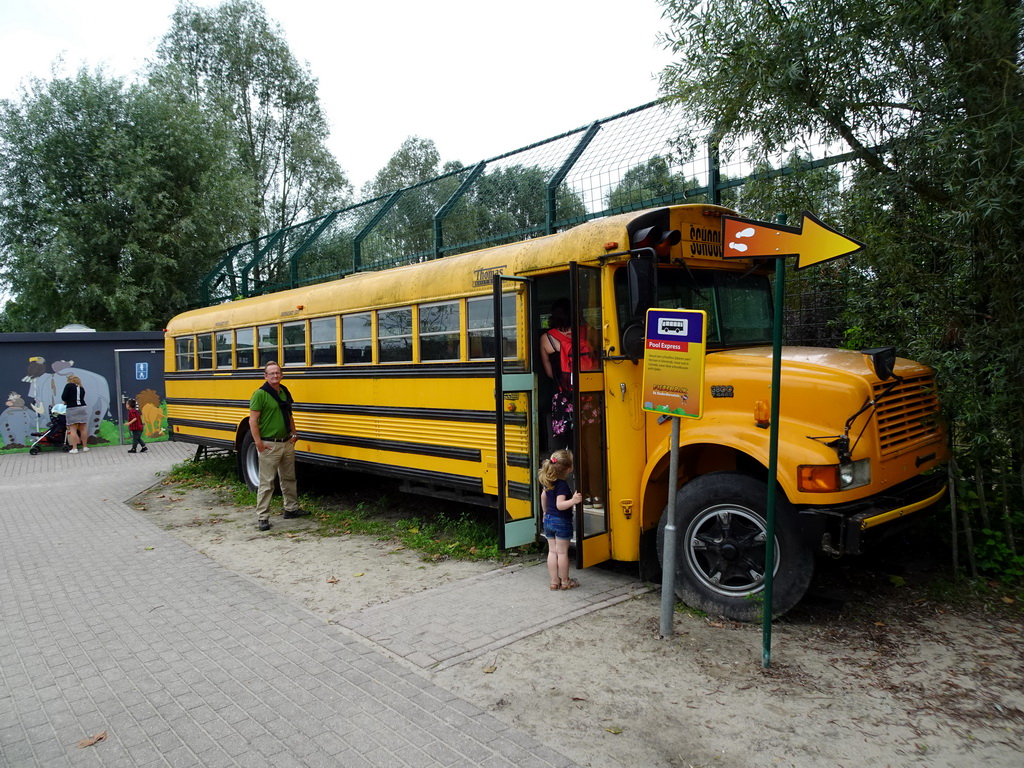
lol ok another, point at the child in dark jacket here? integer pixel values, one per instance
(135, 425)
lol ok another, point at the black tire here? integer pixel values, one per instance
(34, 450)
(249, 463)
(720, 548)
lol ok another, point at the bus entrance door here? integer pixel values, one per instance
(593, 541)
(515, 411)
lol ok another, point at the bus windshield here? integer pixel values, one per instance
(738, 305)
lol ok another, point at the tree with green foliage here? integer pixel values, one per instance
(816, 299)
(929, 95)
(643, 184)
(503, 204)
(415, 161)
(512, 201)
(234, 62)
(114, 201)
(406, 229)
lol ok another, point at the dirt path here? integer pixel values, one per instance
(891, 679)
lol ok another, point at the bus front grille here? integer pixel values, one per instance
(908, 415)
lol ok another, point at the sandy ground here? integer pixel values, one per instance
(881, 676)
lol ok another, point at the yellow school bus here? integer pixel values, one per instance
(430, 374)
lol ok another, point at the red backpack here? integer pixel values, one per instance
(588, 360)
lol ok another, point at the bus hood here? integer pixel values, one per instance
(829, 393)
(815, 358)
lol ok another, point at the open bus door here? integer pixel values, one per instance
(593, 541)
(515, 411)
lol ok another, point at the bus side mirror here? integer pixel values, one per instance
(642, 271)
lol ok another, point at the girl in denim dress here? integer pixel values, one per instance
(558, 501)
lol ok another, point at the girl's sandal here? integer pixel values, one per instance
(570, 584)
(553, 587)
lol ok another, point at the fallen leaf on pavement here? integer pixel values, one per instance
(489, 670)
(94, 740)
(332, 580)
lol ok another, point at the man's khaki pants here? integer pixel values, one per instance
(277, 461)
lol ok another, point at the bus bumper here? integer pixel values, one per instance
(847, 529)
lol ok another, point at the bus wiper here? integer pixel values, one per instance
(693, 280)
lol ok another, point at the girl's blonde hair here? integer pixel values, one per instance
(557, 467)
(74, 380)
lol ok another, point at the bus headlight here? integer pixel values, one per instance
(829, 478)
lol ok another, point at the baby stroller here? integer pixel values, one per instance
(56, 434)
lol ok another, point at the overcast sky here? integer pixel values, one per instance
(478, 77)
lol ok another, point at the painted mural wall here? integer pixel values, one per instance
(34, 367)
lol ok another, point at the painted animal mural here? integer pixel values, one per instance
(152, 413)
(17, 422)
(45, 389)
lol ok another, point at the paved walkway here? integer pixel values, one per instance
(460, 621)
(111, 625)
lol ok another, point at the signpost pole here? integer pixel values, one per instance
(812, 243)
(773, 464)
(668, 564)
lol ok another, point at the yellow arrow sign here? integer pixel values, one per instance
(812, 242)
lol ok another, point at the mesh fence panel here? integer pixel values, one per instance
(646, 157)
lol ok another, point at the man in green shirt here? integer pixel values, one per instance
(273, 430)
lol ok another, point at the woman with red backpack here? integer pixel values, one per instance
(556, 348)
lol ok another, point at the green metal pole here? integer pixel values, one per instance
(773, 461)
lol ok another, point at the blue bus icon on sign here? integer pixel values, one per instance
(141, 371)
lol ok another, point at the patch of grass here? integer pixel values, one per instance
(204, 473)
(460, 536)
(685, 610)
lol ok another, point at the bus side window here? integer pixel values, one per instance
(323, 336)
(222, 349)
(205, 356)
(480, 325)
(244, 348)
(184, 353)
(439, 331)
(293, 336)
(394, 335)
(268, 344)
(357, 338)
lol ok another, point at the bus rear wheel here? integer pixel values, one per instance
(721, 532)
(249, 463)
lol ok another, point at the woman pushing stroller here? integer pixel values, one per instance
(77, 415)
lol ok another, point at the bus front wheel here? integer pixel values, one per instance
(721, 533)
(249, 463)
